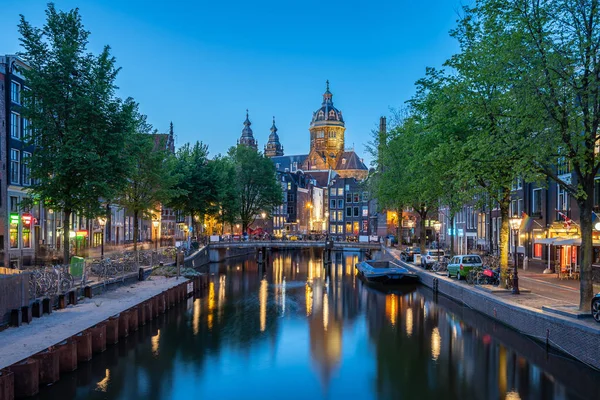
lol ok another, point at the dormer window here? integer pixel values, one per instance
(277, 166)
(321, 114)
(331, 114)
(343, 161)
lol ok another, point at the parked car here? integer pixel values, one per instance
(431, 256)
(596, 307)
(460, 266)
(408, 254)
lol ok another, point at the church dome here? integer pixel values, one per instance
(327, 114)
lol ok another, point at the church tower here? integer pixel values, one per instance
(247, 138)
(326, 135)
(273, 148)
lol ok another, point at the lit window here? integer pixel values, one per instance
(343, 161)
(340, 215)
(340, 191)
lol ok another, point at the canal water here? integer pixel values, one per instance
(295, 330)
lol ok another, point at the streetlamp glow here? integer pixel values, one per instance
(263, 215)
(437, 226)
(155, 223)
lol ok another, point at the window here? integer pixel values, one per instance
(26, 129)
(562, 200)
(365, 196)
(356, 197)
(290, 210)
(340, 191)
(15, 125)
(365, 211)
(348, 227)
(289, 186)
(348, 198)
(340, 203)
(294, 166)
(343, 161)
(365, 225)
(320, 134)
(15, 165)
(332, 216)
(340, 229)
(26, 169)
(356, 211)
(340, 215)
(332, 192)
(514, 208)
(26, 238)
(15, 92)
(537, 250)
(332, 135)
(536, 200)
(14, 204)
(332, 229)
(332, 203)
(562, 166)
(14, 236)
(347, 188)
(355, 227)
(348, 211)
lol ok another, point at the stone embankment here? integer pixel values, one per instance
(39, 352)
(578, 338)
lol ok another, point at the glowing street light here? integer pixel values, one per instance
(515, 224)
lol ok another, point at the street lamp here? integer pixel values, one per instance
(102, 222)
(155, 224)
(515, 224)
(437, 226)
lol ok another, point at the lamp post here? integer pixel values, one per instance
(515, 224)
(437, 226)
(155, 224)
(102, 222)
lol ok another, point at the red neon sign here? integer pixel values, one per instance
(26, 218)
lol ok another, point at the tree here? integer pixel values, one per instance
(556, 45)
(197, 187)
(151, 177)
(227, 199)
(257, 188)
(76, 121)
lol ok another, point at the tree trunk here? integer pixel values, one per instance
(423, 233)
(136, 228)
(586, 287)
(490, 227)
(66, 235)
(399, 227)
(453, 227)
(504, 236)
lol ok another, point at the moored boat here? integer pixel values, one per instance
(386, 272)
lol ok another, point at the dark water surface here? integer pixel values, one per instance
(296, 331)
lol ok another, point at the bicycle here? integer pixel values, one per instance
(439, 266)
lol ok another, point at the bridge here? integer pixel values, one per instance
(294, 244)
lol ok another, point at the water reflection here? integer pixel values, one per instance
(298, 330)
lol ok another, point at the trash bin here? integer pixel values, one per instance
(76, 266)
(520, 260)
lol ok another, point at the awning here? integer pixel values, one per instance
(567, 242)
(545, 241)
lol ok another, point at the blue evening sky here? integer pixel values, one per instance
(201, 63)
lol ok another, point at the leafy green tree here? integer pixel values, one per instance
(197, 187)
(227, 198)
(78, 124)
(554, 47)
(152, 180)
(257, 188)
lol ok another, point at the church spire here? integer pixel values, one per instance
(327, 95)
(247, 138)
(273, 147)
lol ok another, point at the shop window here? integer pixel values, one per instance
(348, 227)
(14, 236)
(26, 238)
(537, 250)
(355, 227)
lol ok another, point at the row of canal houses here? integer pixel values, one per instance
(551, 240)
(31, 236)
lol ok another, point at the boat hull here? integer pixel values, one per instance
(384, 272)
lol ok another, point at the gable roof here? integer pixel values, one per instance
(352, 161)
(283, 162)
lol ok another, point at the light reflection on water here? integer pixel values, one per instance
(296, 330)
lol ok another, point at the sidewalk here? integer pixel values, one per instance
(19, 343)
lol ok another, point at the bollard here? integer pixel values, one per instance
(62, 301)
(26, 377)
(67, 355)
(87, 292)
(47, 306)
(142, 314)
(112, 330)
(73, 297)
(36, 309)
(7, 385)
(84, 346)
(141, 274)
(124, 324)
(49, 365)
(26, 314)
(133, 319)
(98, 337)
(16, 317)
